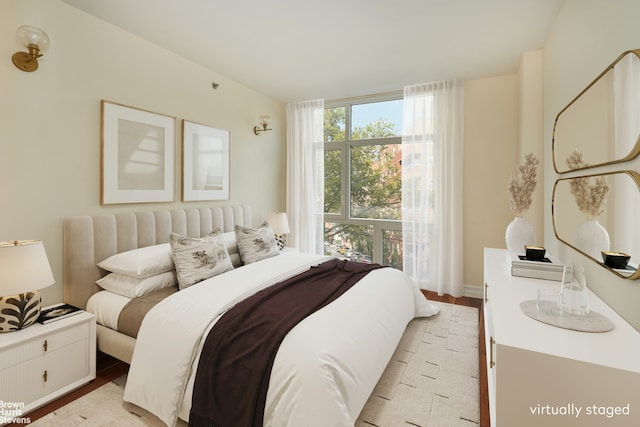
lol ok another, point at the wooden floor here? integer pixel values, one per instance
(108, 368)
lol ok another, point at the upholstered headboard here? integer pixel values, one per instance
(90, 239)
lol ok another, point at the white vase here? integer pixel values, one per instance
(518, 234)
(592, 238)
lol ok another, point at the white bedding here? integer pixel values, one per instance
(106, 306)
(325, 368)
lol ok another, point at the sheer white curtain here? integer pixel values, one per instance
(305, 175)
(432, 185)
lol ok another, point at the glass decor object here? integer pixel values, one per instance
(573, 295)
(548, 302)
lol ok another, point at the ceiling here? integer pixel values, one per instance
(296, 50)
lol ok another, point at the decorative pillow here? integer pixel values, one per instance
(255, 244)
(141, 262)
(133, 287)
(197, 259)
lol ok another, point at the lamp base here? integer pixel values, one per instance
(281, 240)
(19, 311)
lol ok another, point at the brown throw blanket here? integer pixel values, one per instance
(233, 373)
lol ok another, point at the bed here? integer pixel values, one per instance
(325, 367)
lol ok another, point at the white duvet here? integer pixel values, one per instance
(325, 368)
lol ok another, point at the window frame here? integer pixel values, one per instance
(345, 217)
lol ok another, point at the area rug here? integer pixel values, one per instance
(431, 381)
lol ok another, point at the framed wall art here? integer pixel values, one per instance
(205, 162)
(138, 155)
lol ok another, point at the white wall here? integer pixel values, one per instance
(491, 150)
(588, 35)
(50, 122)
(531, 137)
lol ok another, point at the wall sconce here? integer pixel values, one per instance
(264, 121)
(36, 41)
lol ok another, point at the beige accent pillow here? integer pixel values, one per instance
(197, 259)
(255, 244)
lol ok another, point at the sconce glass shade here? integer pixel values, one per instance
(24, 267)
(29, 35)
(264, 120)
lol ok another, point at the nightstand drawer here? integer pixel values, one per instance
(37, 346)
(43, 362)
(35, 378)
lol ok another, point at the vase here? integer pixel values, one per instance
(592, 238)
(519, 233)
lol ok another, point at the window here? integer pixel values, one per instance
(363, 152)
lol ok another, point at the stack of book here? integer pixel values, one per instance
(57, 312)
(548, 268)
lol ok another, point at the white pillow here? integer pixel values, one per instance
(232, 247)
(255, 244)
(197, 259)
(141, 262)
(133, 287)
(230, 242)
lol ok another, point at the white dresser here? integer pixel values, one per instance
(43, 362)
(544, 376)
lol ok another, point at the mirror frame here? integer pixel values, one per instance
(635, 177)
(632, 154)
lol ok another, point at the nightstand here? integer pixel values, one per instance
(43, 362)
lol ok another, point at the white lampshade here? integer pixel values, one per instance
(279, 222)
(24, 267)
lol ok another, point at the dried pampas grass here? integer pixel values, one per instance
(590, 198)
(521, 187)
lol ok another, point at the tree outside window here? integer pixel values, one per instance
(363, 183)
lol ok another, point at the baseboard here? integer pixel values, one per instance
(473, 291)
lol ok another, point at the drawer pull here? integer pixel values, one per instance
(45, 345)
(45, 375)
(492, 343)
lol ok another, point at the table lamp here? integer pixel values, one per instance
(24, 269)
(280, 226)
